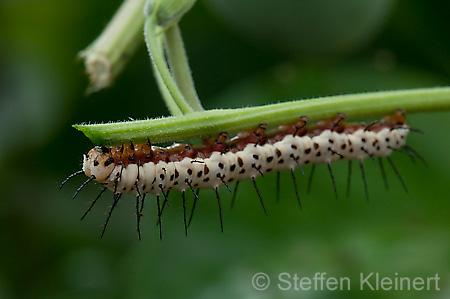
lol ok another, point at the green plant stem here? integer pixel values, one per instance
(179, 65)
(168, 99)
(157, 57)
(211, 122)
(107, 55)
(171, 105)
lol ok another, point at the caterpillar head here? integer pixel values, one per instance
(99, 163)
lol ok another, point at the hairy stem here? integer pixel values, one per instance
(211, 122)
(176, 99)
(179, 65)
(167, 96)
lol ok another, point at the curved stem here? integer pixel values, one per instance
(210, 122)
(170, 103)
(157, 56)
(179, 65)
(168, 99)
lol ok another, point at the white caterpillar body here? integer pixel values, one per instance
(252, 161)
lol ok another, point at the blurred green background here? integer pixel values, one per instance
(241, 53)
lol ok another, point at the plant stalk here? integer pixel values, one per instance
(211, 122)
(107, 55)
(179, 65)
(152, 35)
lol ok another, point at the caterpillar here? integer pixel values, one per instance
(138, 169)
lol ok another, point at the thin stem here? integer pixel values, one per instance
(171, 105)
(168, 99)
(179, 65)
(107, 55)
(151, 31)
(210, 122)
